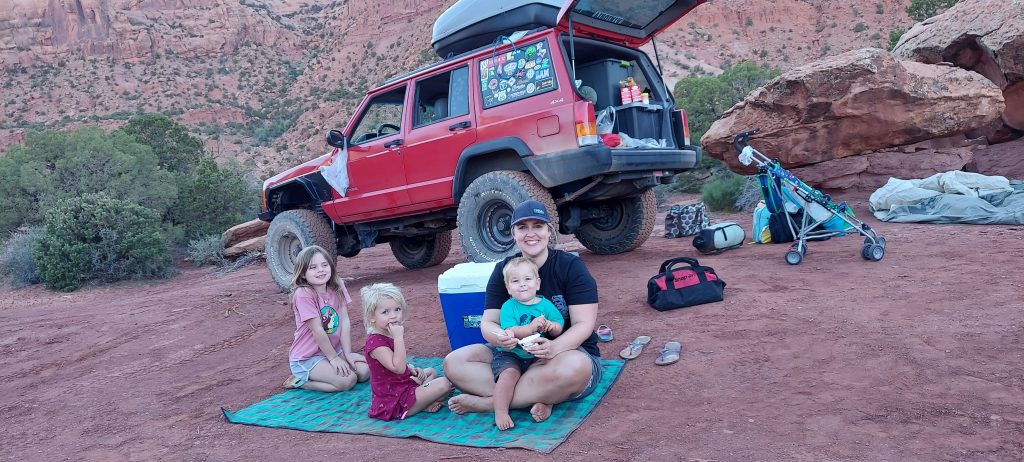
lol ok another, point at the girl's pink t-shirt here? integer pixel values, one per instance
(307, 305)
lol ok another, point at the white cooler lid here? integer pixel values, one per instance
(465, 277)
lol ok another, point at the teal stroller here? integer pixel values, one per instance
(818, 217)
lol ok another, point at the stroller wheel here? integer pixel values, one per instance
(881, 241)
(877, 252)
(865, 252)
(802, 248)
(793, 257)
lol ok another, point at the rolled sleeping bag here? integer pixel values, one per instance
(719, 238)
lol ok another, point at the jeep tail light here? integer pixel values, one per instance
(686, 127)
(586, 124)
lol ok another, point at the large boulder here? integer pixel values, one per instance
(256, 244)
(853, 103)
(244, 232)
(986, 36)
(871, 171)
(1005, 159)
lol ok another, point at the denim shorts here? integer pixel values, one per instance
(300, 369)
(500, 363)
(506, 359)
(596, 372)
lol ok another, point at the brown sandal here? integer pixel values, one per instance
(634, 348)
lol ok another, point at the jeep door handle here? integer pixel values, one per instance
(393, 144)
(460, 125)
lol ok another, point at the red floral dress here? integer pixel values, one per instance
(393, 394)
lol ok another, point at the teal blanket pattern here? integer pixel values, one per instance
(346, 413)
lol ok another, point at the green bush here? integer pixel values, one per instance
(706, 98)
(16, 259)
(96, 237)
(206, 251)
(919, 10)
(894, 37)
(52, 166)
(216, 199)
(721, 192)
(175, 148)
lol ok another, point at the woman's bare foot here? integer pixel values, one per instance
(540, 412)
(470, 403)
(503, 421)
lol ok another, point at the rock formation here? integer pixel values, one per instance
(243, 232)
(854, 103)
(986, 36)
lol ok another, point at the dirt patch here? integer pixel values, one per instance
(917, 357)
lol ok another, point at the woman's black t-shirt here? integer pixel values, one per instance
(564, 280)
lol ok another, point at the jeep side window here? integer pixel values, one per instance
(516, 74)
(382, 117)
(442, 96)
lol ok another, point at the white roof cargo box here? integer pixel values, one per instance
(470, 24)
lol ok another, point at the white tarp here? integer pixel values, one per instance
(950, 197)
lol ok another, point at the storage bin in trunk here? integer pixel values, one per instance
(639, 120)
(604, 76)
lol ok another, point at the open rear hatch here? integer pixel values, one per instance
(631, 23)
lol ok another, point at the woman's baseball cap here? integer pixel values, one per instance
(530, 210)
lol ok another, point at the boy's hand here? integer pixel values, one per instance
(396, 330)
(506, 339)
(539, 324)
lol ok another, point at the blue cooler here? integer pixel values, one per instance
(462, 289)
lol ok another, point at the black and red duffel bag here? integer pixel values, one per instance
(683, 282)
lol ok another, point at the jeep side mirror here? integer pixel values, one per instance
(336, 138)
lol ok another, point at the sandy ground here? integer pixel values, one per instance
(917, 357)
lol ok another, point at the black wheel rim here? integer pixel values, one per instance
(495, 225)
(611, 217)
(412, 246)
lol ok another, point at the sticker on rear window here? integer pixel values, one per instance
(516, 74)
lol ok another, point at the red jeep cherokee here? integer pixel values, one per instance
(457, 144)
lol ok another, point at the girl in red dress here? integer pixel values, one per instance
(399, 389)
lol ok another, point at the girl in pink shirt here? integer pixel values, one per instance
(399, 390)
(321, 356)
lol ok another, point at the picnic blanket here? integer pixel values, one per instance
(951, 197)
(347, 413)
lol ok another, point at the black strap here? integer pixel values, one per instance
(668, 263)
(668, 267)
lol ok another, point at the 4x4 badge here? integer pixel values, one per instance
(559, 100)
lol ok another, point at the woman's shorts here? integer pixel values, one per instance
(596, 371)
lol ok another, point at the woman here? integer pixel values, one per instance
(571, 363)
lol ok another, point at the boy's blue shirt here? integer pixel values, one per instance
(514, 313)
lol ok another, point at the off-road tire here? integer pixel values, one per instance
(625, 224)
(485, 213)
(422, 251)
(289, 233)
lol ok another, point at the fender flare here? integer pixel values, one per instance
(510, 143)
(313, 184)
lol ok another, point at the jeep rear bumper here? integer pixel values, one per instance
(559, 168)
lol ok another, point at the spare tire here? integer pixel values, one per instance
(289, 233)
